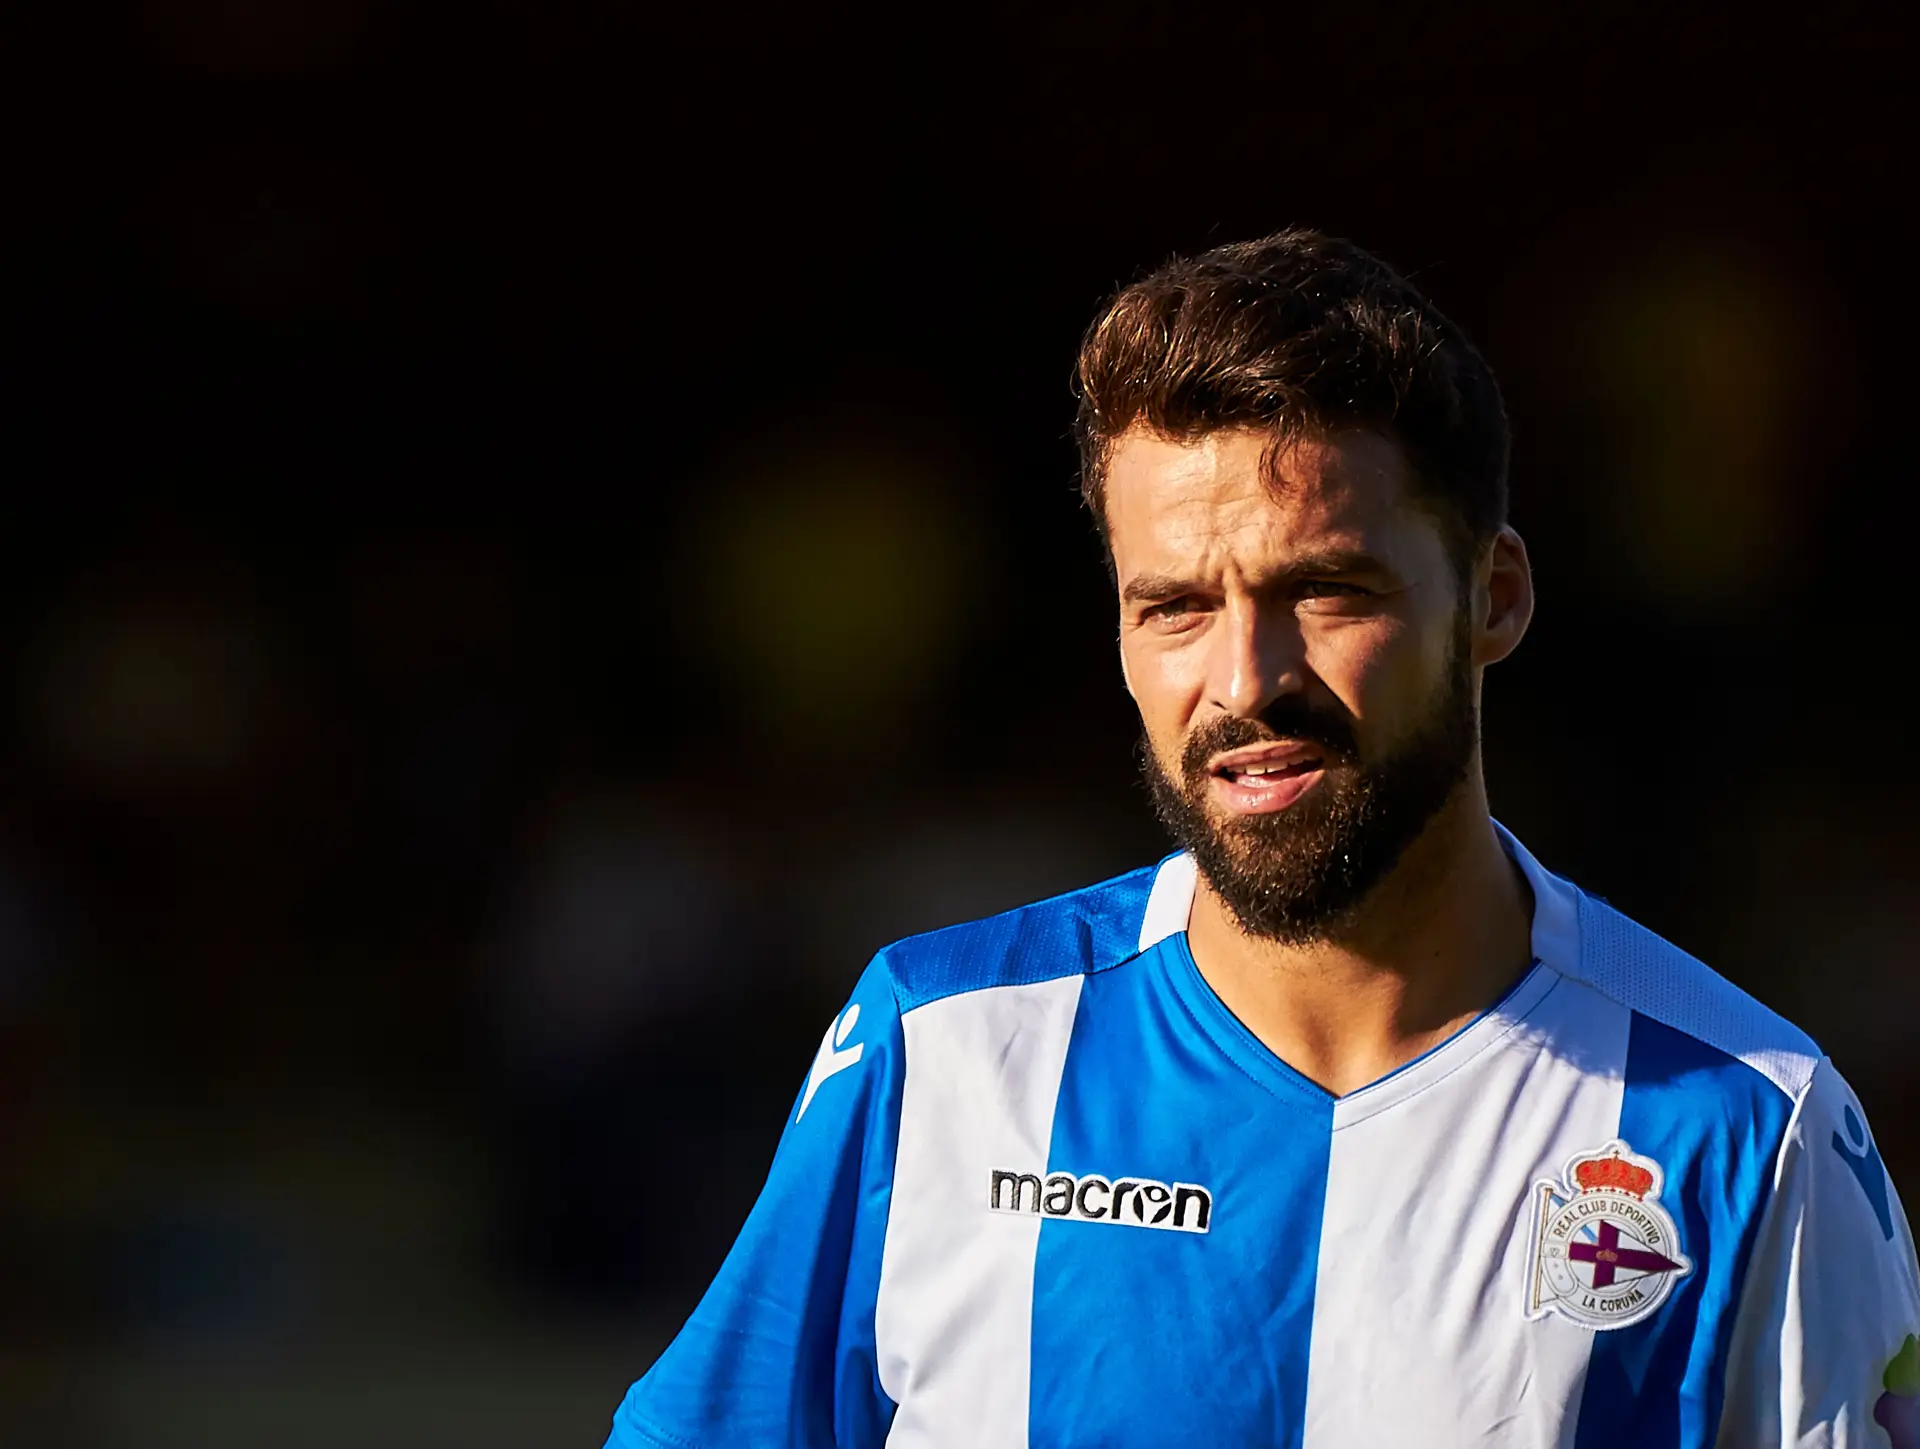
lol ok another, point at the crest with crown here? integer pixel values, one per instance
(1612, 1173)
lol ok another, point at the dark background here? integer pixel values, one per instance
(541, 536)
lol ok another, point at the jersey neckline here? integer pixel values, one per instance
(1409, 1079)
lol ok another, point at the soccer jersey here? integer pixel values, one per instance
(1041, 1188)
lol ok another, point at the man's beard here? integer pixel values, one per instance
(1301, 873)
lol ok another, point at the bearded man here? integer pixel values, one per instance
(1349, 1124)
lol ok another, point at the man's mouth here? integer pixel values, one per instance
(1266, 778)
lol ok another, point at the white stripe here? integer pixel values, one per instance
(953, 1326)
(1170, 902)
(1420, 1333)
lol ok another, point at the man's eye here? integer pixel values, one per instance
(1331, 589)
(1170, 609)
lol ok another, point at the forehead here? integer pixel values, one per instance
(1220, 497)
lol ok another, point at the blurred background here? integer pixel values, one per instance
(540, 536)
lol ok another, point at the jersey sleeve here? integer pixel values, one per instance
(1823, 1354)
(780, 1350)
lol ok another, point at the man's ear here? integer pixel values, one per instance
(1503, 586)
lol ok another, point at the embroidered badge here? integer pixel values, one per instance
(1898, 1411)
(1605, 1253)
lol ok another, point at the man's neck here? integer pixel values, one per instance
(1434, 945)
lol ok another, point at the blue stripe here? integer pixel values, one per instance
(1714, 1125)
(1130, 1322)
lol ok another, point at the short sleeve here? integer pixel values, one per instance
(780, 1350)
(1823, 1354)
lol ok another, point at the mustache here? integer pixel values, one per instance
(1290, 717)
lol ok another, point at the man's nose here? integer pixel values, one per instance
(1258, 655)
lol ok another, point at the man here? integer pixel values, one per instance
(1349, 1124)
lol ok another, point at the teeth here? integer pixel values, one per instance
(1272, 769)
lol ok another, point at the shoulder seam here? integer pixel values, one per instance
(884, 956)
(1793, 1123)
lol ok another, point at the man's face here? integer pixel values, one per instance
(1302, 656)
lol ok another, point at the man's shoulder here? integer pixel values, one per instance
(1582, 937)
(1084, 930)
(1643, 971)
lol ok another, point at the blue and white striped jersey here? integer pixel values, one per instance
(1042, 1189)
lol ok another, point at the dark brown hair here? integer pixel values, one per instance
(1300, 334)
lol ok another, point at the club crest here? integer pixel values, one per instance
(1605, 1253)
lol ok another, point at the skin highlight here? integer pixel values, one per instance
(1246, 574)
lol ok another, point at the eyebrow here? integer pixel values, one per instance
(1329, 563)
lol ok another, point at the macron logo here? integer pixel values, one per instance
(1181, 1207)
(830, 1059)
